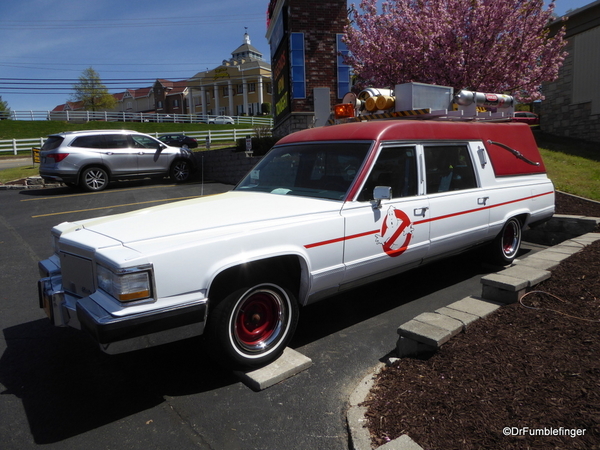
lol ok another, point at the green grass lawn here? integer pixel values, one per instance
(18, 173)
(572, 165)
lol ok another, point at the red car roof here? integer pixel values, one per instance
(517, 136)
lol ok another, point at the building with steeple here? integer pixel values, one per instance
(239, 86)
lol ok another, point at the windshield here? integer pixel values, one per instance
(323, 170)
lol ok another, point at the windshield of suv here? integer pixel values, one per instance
(323, 170)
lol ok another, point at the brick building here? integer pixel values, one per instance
(572, 102)
(309, 75)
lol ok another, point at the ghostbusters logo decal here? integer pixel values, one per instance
(396, 232)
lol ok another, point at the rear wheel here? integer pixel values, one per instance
(507, 244)
(94, 179)
(252, 325)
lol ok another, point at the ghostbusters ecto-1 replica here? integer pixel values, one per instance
(326, 210)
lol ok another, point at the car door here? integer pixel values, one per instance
(118, 155)
(151, 157)
(393, 235)
(459, 210)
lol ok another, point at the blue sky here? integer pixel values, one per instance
(132, 42)
(120, 39)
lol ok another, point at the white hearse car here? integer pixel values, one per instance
(327, 209)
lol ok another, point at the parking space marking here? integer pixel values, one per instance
(111, 191)
(115, 206)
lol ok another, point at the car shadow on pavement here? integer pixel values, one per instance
(68, 386)
(360, 304)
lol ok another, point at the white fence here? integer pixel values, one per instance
(15, 145)
(113, 116)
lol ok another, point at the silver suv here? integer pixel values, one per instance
(91, 159)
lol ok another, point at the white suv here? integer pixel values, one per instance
(91, 159)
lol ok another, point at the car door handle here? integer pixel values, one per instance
(109, 153)
(482, 200)
(420, 211)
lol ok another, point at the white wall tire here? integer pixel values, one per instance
(252, 326)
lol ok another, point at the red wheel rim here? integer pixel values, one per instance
(258, 320)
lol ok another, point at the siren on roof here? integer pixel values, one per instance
(426, 101)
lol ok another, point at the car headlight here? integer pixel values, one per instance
(127, 285)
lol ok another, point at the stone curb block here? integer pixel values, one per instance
(475, 306)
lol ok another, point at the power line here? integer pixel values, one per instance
(129, 23)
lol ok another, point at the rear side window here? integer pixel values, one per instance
(53, 142)
(449, 168)
(117, 141)
(89, 142)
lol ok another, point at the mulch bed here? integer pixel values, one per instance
(532, 366)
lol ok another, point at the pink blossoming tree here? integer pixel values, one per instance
(500, 46)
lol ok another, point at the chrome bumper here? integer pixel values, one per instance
(117, 334)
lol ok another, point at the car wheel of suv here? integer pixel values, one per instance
(252, 326)
(180, 171)
(94, 179)
(506, 245)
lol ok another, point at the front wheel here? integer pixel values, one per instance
(252, 326)
(507, 244)
(180, 171)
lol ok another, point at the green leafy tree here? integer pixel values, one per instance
(4, 109)
(92, 92)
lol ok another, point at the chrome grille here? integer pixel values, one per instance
(77, 274)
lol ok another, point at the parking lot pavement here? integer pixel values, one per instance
(58, 391)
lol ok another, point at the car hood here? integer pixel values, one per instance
(218, 213)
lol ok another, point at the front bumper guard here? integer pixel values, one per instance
(120, 334)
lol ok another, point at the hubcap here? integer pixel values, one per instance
(510, 239)
(95, 179)
(181, 171)
(259, 320)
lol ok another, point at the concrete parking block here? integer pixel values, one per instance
(550, 255)
(569, 247)
(505, 282)
(502, 288)
(439, 320)
(409, 347)
(462, 316)
(540, 264)
(475, 306)
(404, 442)
(531, 275)
(424, 333)
(588, 238)
(287, 365)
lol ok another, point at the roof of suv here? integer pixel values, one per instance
(68, 133)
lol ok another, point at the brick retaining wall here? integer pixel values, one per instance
(225, 165)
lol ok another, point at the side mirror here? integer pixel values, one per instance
(381, 193)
